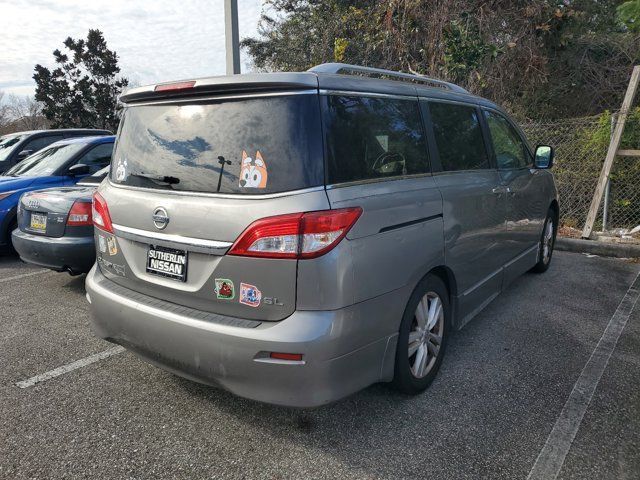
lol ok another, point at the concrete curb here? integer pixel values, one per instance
(619, 250)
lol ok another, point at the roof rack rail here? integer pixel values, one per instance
(356, 70)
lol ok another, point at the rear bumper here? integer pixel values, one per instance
(60, 254)
(232, 353)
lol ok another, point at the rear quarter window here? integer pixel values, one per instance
(245, 146)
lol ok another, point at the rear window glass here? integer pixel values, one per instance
(458, 137)
(370, 138)
(248, 146)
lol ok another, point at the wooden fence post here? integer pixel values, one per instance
(614, 144)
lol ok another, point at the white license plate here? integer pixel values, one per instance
(167, 262)
(39, 221)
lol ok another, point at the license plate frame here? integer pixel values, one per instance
(40, 223)
(165, 262)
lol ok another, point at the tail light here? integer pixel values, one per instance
(101, 217)
(297, 235)
(166, 87)
(80, 214)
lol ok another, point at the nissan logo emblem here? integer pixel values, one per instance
(160, 218)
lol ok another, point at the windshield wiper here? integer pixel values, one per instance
(157, 178)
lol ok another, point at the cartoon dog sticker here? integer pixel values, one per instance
(121, 170)
(254, 171)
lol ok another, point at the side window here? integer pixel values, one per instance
(508, 146)
(371, 137)
(98, 157)
(41, 142)
(458, 137)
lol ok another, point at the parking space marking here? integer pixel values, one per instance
(83, 362)
(552, 456)
(23, 275)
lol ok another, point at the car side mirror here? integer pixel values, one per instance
(24, 154)
(544, 157)
(78, 169)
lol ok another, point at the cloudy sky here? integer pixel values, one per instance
(156, 40)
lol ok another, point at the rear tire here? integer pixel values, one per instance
(547, 242)
(422, 339)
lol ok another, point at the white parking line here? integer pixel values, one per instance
(23, 275)
(552, 456)
(83, 362)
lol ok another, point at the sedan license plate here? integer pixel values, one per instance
(39, 221)
(167, 262)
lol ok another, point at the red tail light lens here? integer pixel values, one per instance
(101, 217)
(293, 357)
(80, 214)
(297, 235)
(174, 86)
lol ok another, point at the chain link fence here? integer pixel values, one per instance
(580, 148)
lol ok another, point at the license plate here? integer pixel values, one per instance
(167, 262)
(39, 221)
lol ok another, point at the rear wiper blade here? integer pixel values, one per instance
(158, 178)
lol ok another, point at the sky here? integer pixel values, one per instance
(156, 40)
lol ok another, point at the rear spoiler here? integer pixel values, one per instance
(230, 84)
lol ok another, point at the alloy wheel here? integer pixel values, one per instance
(425, 337)
(547, 242)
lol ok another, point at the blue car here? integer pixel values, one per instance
(61, 164)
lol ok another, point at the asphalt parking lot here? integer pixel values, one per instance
(490, 413)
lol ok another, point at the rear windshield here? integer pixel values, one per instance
(247, 146)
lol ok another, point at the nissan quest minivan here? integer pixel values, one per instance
(296, 237)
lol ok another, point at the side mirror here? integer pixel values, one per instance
(78, 169)
(24, 154)
(544, 157)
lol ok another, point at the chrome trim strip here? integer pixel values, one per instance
(482, 282)
(522, 255)
(200, 98)
(278, 361)
(371, 181)
(235, 196)
(324, 91)
(200, 245)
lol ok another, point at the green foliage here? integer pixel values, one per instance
(465, 50)
(339, 49)
(83, 90)
(629, 14)
(535, 57)
(599, 138)
(624, 207)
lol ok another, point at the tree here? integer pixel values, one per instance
(535, 57)
(26, 113)
(83, 90)
(629, 14)
(4, 112)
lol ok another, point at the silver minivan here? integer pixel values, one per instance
(296, 237)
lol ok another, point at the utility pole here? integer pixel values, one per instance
(232, 37)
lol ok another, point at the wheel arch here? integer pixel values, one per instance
(10, 220)
(555, 207)
(447, 276)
